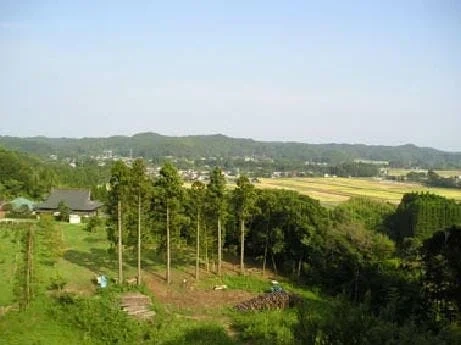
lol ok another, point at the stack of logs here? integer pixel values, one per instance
(268, 301)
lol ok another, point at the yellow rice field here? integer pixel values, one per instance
(442, 173)
(336, 190)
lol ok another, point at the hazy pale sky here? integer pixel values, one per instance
(374, 72)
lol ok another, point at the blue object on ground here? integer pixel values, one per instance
(276, 288)
(102, 281)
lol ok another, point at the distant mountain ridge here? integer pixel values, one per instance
(153, 146)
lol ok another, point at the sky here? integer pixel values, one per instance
(372, 72)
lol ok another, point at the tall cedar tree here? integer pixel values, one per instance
(170, 192)
(118, 196)
(217, 205)
(244, 198)
(141, 188)
(197, 203)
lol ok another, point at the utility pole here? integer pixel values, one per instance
(139, 238)
(120, 258)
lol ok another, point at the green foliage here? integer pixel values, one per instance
(244, 198)
(169, 196)
(100, 318)
(421, 215)
(345, 324)
(93, 224)
(434, 180)
(266, 328)
(27, 279)
(51, 241)
(25, 175)
(216, 193)
(64, 211)
(286, 155)
(353, 169)
(373, 214)
(130, 186)
(442, 272)
(37, 326)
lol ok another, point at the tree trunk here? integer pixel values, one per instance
(265, 250)
(207, 263)
(357, 273)
(197, 251)
(242, 246)
(299, 267)
(120, 257)
(168, 258)
(29, 267)
(219, 247)
(139, 238)
(274, 265)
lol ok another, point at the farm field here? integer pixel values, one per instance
(336, 190)
(441, 173)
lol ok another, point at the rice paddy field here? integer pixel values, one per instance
(442, 173)
(336, 190)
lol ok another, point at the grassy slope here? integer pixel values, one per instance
(341, 189)
(87, 254)
(8, 249)
(41, 328)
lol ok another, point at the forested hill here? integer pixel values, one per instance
(152, 146)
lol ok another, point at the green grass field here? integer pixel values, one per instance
(337, 190)
(197, 316)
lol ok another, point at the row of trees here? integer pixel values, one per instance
(348, 249)
(169, 212)
(432, 179)
(289, 229)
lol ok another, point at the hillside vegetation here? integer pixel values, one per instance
(362, 272)
(154, 146)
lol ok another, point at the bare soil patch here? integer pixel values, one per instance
(190, 299)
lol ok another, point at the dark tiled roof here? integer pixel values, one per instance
(76, 199)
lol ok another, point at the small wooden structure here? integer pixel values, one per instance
(137, 305)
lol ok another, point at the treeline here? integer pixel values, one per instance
(432, 179)
(353, 169)
(367, 251)
(155, 147)
(24, 175)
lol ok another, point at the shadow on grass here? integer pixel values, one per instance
(95, 260)
(92, 240)
(205, 335)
